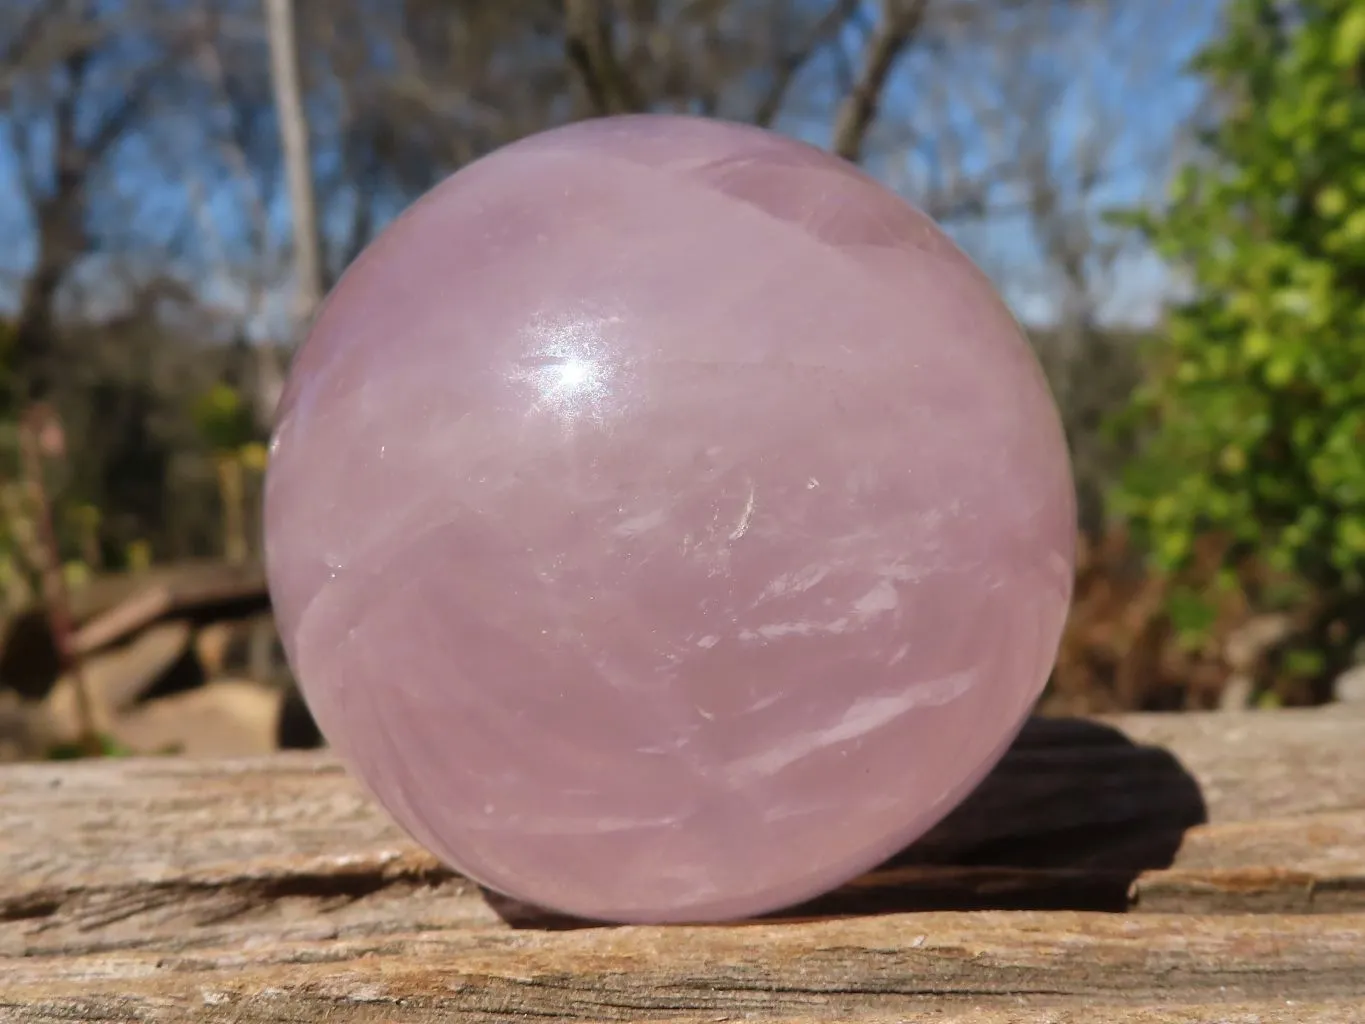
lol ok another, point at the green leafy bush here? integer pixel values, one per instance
(1253, 414)
(224, 419)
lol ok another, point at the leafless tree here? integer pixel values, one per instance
(76, 85)
(589, 28)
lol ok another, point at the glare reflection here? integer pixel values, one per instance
(567, 365)
(574, 374)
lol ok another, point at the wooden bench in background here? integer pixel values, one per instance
(1203, 867)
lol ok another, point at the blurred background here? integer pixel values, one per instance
(1170, 194)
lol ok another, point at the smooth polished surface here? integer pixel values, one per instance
(666, 522)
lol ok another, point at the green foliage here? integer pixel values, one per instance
(104, 745)
(100, 746)
(138, 556)
(1192, 616)
(1254, 412)
(224, 419)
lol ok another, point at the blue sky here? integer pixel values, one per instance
(1121, 76)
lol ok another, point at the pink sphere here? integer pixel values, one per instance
(667, 522)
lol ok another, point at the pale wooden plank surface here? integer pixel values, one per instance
(271, 889)
(850, 969)
(1253, 765)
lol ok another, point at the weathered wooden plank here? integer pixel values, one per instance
(1253, 765)
(902, 966)
(1309, 864)
(1062, 777)
(272, 889)
(1070, 819)
(372, 890)
(1291, 1011)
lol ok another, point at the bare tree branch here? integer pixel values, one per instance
(789, 65)
(589, 46)
(19, 44)
(899, 22)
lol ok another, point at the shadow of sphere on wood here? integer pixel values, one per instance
(1068, 820)
(296, 729)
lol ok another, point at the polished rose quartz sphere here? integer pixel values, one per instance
(667, 522)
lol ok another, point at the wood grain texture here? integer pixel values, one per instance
(855, 968)
(273, 890)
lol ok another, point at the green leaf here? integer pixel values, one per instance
(1256, 345)
(1233, 460)
(1349, 42)
(1332, 201)
(1353, 228)
(1173, 548)
(1279, 371)
(1351, 534)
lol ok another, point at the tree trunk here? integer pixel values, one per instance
(298, 160)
